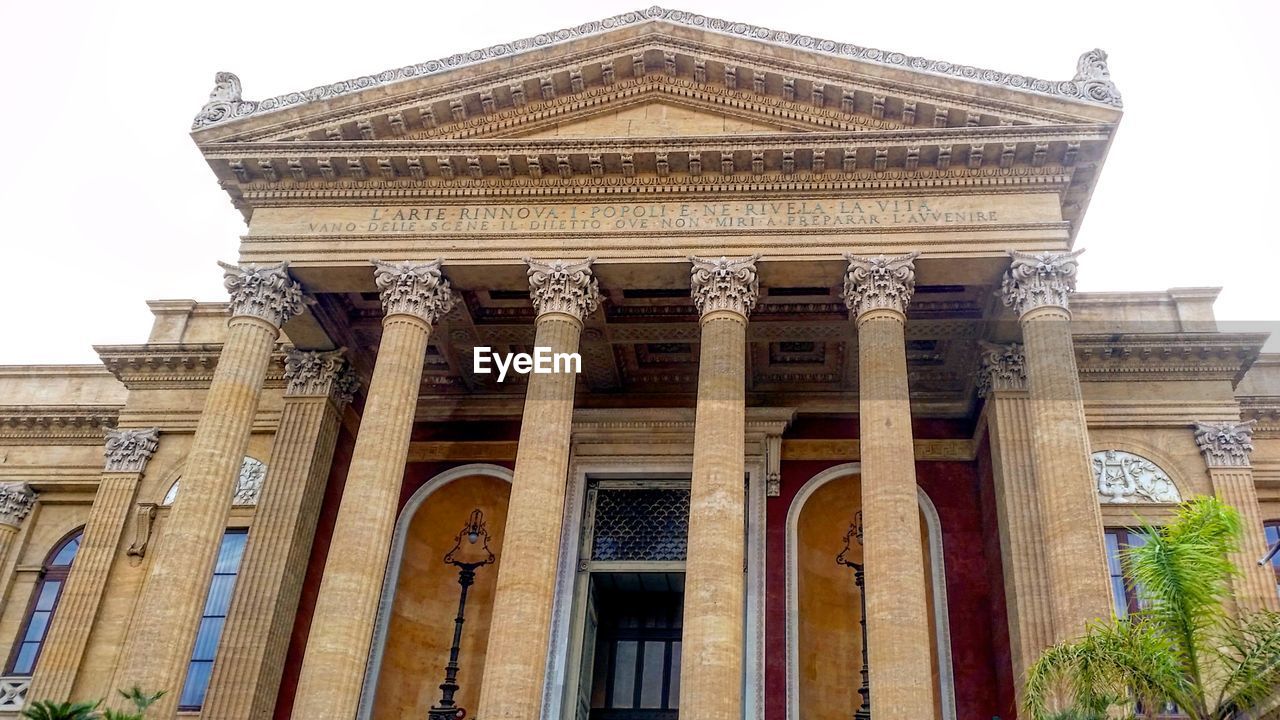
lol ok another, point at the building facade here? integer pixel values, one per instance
(826, 430)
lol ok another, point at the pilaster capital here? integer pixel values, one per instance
(561, 287)
(1036, 280)
(725, 284)
(129, 450)
(417, 289)
(1003, 368)
(879, 283)
(265, 292)
(1225, 444)
(16, 500)
(320, 374)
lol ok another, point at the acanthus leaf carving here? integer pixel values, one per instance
(16, 501)
(879, 283)
(1225, 444)
(265, 292)
(1036, 280)
(562, 287)
(417, 289)
(323, 374)
(129, 450)
(724, 284)
(1003, 368)
(1124, 477)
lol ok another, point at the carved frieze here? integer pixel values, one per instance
(724, 284)
(266, 292)
(1037, 280)
(561, 287)
(1124, 477)
(1225, 444)
(876, 283)
(129, 450)
(417, 289)
(16, 500)
(1003, 368)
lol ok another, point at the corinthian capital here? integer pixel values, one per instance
(1002, 368)
(563, 287)
(266, 292)
(129, 450)
(1225, 444)
(1039, 280)
(725, 284)
(417, 289)
(16, 500)
(879, 283)
(320, 374)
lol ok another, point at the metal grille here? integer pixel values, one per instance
(641, 524)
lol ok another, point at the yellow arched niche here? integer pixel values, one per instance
(419, 625)
(827, 650)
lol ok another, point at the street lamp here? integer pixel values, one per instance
(473, 533)
(855, 533)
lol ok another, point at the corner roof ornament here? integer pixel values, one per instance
(1092, 82)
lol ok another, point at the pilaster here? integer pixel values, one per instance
(16, 501)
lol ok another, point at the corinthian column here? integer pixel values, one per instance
(511, 689)
(1226, 447)
(255, 637)
(1003, 382)
(877, 291)
(414, 297)
(168, 610)
(725, 291)
(1038, 286)
(127, 453)
(16, 500)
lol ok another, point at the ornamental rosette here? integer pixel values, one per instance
(319, 374)
(1003, 368)
(725, 284)
(879, 283)
(16, 500)
(1036, 280)
(1225, 444)
(265, 292)
(129, 450)
(569, 288)
(417, 289)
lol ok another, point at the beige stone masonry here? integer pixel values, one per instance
(877, 292)
(414, 296)
(127, 453)
(16, 500)
(168, 611)
(255, 638)
(511, 689)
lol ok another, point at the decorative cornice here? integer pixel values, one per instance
(560, 287)
(265, 292)
(879, 283)
(417, 289)
(724, 284)
(1036, 280)
(129, 450)
(322, 374)
(1092, 81)
(16, 500)
(1003, 368)
(1166, 356)
(186, 365)
(1225, 444)
(57, 422)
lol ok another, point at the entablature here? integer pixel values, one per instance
(174, 365)
(1167, 356)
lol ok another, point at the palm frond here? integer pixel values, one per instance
(1249, 650)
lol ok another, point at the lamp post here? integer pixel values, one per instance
(474, 532)
(855, 533)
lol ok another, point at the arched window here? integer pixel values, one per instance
(44, 601)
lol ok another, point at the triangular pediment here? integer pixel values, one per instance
(656, 118)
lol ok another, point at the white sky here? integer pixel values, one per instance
(1184, 199)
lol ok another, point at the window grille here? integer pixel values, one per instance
(647, 524)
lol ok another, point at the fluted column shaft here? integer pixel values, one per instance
(1027, 595)
(711, 660)
(413, 296)
(520, 628)
(877, 291)
(1226, 448)
(127, 454)
(255, 636)
(1038, 286)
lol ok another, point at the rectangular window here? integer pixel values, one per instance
(1124, 593)
(1272, 528)
(215, 614)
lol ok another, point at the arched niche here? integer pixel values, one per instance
(419, 601)
(824, 640)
